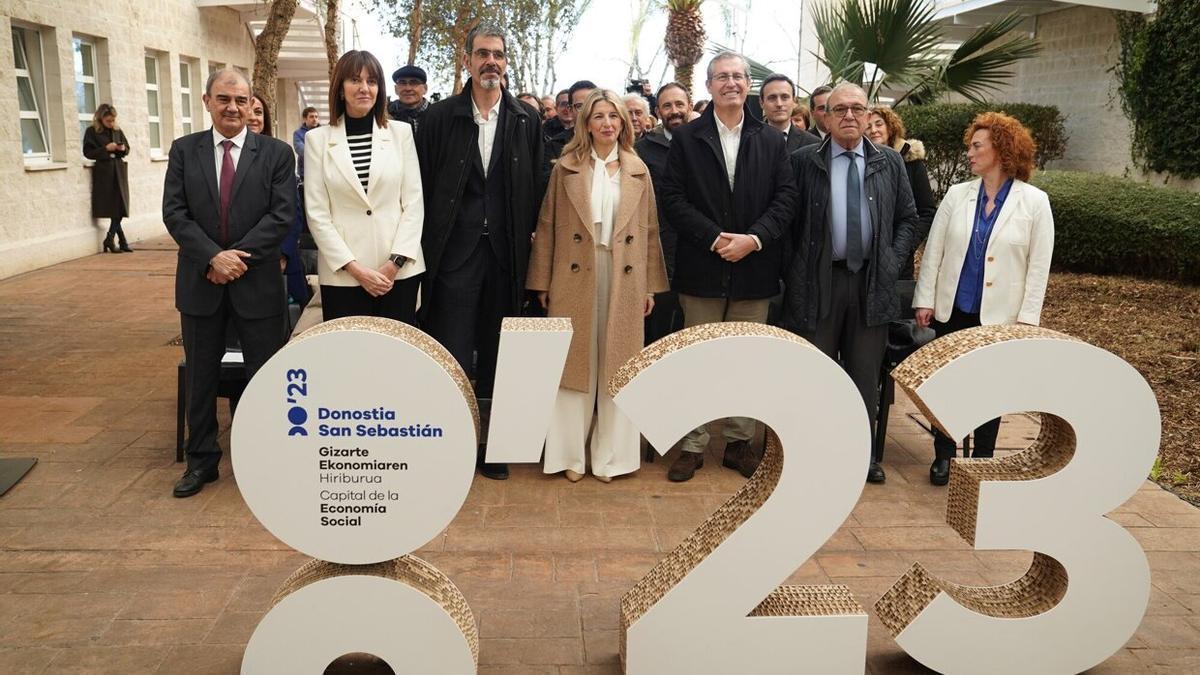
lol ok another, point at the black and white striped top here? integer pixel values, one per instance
(358, 136)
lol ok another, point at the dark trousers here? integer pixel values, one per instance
(945, 447)
(400, 303)
(466, 307)
(203, 347)
(844, 336)
(665, 318)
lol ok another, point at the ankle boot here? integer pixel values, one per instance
(124, 244)
(108, 245)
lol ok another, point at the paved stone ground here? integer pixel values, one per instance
(101, 570)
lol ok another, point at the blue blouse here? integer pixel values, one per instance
(969, 296)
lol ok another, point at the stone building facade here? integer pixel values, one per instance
(150, 60)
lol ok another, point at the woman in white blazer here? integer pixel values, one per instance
(987, 259)
(362, 194)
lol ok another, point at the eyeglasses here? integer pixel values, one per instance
(409, 83)
(841, 110)
(563, 104)
(484, 53)
(725, 77)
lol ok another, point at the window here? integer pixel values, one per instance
(153, 106)
(87, 92)
(185, 96)
(31, 94)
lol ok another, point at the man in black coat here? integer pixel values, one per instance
(674, 104)
(728, 191)
(481, 166)
(576, 95)
(410, 104)
(853, 229)
(228, 199)
(777, 96)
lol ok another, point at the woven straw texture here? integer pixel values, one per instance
(1039, 590)
(408, 570)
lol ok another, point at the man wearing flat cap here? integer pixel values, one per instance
(410, 104)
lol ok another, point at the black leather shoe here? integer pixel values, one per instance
(875, 474)
(685, 466)
(193, 481)
(939, 472)
(733, 454)
(494, 470)
(751, 458)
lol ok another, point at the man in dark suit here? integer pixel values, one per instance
(482, 170)
(855, 222)
(576, 95)
(228, 199)
(674, 104)
(728, 191)
(777, 96)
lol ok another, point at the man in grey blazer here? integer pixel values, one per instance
(228, 199)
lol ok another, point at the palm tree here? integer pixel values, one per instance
(902, 42)
(685, 38)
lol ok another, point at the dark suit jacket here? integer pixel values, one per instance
(262, 207)
(652, 148)
(893, 215)
(798, 138)
(699, 204)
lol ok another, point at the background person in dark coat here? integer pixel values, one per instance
(884, 127)
(728, 191)
(852, 230)
(106, 145)
(228, 199)
(674, 102)
(777, 96)
(481, 167)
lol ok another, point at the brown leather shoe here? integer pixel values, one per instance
(751, 457)
(685, 467)
(734, 450)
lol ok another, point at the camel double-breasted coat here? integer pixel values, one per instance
(563, 262)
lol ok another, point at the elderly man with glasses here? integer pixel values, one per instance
(728, 192)
(855, 222)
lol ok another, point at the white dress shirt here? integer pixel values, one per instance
(606, 194)
(487, 131)
(731, 140)
(219, 151)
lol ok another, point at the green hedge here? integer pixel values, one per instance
(1157, 70)
(1111, 225)
(940, 126)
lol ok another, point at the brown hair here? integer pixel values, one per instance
(801, 110)
(895, 125)
(1013, 142)
(351, 64)
(266, 113)
(581, 141)
(105, 110)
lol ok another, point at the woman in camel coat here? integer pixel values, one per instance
(597, 260)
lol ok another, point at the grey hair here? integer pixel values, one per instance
(638, 99)
(485, 29)
(725, 56)
(218, 74)
(848, 86)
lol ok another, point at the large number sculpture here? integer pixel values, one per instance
(358, 399)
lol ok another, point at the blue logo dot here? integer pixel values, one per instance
(297, 415)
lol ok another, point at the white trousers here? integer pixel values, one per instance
(615, 443)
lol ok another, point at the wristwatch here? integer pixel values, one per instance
(398, 260)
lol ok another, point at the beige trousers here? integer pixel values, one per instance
(697, 311)
(615, 442)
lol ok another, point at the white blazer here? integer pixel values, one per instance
(1016, 266)
(350, 224)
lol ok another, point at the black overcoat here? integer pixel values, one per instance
(110, 175)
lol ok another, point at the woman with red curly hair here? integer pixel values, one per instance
(987, 260)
